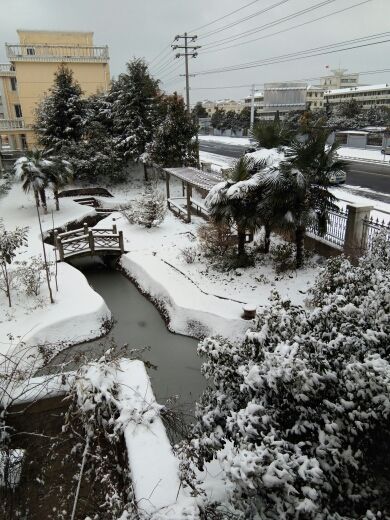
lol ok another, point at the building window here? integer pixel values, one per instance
(13, 83)
(30, 51)
(18, 111)
(23, 141)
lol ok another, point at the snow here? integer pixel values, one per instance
(346, 195)
(362, 154)
(153, 466)
(240, 141)
(78, 311)
(217, 161)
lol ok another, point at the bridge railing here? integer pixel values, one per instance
(85, 240)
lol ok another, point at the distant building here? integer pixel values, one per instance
(258, 101)
(30, 74)
(315, 97)
(282, 98)
(339, 79)
(209, 106)
(366, 96)
(230, 105)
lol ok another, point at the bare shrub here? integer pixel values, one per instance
(189, 254)
(216, 241)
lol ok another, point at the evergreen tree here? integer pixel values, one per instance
(174, 139)
(96, 156)
(59, 117)
(218, 119)
(245, 118)
(199, 110)
(133, 97)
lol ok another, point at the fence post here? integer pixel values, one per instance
(59, 246)
(356, 231)
(91, 242)
(114, 229)
(85, 226)
(121, 243)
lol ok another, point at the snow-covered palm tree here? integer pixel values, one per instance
(30, 171)
(58, 174)
(233, 202)
(297, 191)
(271, 134)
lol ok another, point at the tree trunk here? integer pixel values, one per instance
(7, 285)
(145, 172)
(299, 243)
(36, 195)
(267, 238)
(57, 199)
(241, 241)
(42, 193)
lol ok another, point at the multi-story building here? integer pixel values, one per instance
(30, 74)
(209, 106)
(315, 97)
(223, 104)
(367, 96)
(282, 98)
(339, 79)
(258, 101)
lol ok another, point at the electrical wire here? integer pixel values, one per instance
(300, 54)
(249, 32)
(224, 16)
(241, 20)
(288, 28)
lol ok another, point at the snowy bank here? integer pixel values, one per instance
(77, 313)
(188, 309)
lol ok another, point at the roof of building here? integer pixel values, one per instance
(197, 178)
(365, 88)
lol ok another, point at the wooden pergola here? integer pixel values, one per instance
(190, 178)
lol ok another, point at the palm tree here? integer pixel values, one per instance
(29, 170)
(297, 191)
(271, 134)
(58, 174)
(233, 202)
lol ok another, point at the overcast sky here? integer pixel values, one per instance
(144, 28)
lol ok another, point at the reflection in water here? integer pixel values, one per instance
(138, 325)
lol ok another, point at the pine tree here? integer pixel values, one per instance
(59, 117)
(133, 97)
(173, 143)
(152, 208)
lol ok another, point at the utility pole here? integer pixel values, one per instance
(252, 122)
(189, 50)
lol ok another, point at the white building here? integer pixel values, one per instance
(367, 96)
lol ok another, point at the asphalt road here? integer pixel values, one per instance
(373, 176)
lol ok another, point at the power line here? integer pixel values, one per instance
(300, 54)
(363, 73)
(267, 25)
(223, 17)
(287, 28)
(249, 17)
(159, 54)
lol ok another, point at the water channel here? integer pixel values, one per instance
(137, 325)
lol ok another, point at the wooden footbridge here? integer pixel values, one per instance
(88, 242)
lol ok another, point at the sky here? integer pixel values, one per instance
(147, 28)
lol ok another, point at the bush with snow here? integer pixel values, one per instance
(298, 415)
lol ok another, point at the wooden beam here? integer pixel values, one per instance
(189, 194)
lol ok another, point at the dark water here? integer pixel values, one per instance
(138, 325)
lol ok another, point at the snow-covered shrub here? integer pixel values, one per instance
(30, 274)
(152, 207)
(189, 254)
(10, 241)
(129, 212)
(216, 241)
(302, 407)
(283, 257)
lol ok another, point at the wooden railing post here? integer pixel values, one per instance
(121, 242)
(91, 242)
(85, 226)
(114, 229)
(60, 248)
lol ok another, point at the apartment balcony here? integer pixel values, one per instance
(12, 124)
(57, 53)
(6, 69)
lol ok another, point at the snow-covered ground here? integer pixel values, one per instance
(240, 141)
(78, 311)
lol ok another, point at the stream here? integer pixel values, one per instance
(138, 325)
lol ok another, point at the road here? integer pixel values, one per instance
(373, 176)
